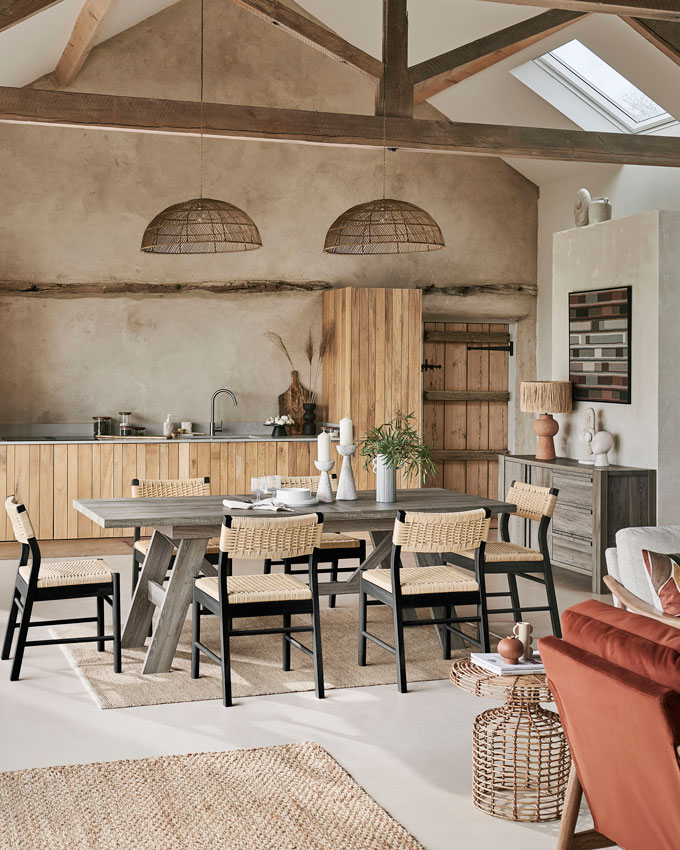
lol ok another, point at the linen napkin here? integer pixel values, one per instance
(265, 505)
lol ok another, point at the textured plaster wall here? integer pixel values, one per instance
(75, 204)
(642, 251)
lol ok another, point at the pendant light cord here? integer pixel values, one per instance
(202, 61)
(386, 17)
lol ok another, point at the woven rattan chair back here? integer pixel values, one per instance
(18, 516)
(310, 481)
(253, 538)
(148, 488)
(532, 502)
(449, 532)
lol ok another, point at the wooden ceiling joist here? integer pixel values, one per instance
(14, 11)
(110, 112)
(85, 33)
(664, 35)
(439, 73)
(314, 34)
(663, 10)
(395, 93)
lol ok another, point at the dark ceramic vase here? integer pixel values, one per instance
(279, 431)
(309, 419)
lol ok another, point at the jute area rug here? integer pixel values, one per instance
(256, 662)
(293, 797)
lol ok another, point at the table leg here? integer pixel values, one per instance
(431, 559)
(155, 567)
(188, 565)
(351, 585)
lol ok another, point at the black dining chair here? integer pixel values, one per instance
(40, 581)
(440, 586)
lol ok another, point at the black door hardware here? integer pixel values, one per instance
(509, 347)
(429, 367)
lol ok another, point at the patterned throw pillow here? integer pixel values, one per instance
(663, 572)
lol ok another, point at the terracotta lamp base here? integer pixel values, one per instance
(545, 428)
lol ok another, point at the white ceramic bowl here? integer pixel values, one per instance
(294, 495)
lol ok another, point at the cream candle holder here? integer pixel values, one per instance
(347, 490)
(325, 492)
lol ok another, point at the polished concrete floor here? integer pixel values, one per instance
(411, 752)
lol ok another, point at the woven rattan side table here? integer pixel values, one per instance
(520, 757)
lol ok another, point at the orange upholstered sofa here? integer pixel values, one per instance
(615, 677)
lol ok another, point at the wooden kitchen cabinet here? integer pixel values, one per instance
(592, 505)
(48, 477)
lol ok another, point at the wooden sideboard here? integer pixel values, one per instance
(593, 504)
(48, 477)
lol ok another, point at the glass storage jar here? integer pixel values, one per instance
(102, 426)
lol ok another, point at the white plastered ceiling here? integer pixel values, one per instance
(32, 48)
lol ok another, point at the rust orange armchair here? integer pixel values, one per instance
(615, 677)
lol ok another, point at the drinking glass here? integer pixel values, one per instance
(257, 487)
(273, 483)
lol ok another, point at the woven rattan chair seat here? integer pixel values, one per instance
(437, 579)
(213, 546)
(335, 540)
(497, 551)
(65, 573)
(277, 587)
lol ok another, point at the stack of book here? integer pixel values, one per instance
(493, 662)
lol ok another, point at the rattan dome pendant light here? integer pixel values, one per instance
(384, 226)
(201, 225)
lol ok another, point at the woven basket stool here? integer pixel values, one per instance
(520, 757)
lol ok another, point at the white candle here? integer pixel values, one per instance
(346, 432)
(324, 447)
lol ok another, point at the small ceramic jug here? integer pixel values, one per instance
(523, 631)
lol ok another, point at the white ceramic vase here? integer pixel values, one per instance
(385, 480)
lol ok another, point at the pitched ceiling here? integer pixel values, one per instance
(32, 49)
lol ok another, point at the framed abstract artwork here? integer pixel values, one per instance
(599, 344)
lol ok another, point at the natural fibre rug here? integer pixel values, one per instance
(292, 797)
(256, 662)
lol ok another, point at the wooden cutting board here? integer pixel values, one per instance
(292, 400)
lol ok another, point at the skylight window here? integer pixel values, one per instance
(604, 88)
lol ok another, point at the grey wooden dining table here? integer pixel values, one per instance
(186, 524)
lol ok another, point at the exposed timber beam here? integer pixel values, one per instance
(136, 114)
(122, 288)
(663, 10)
(14, 11)
(447, 69)
(314, 34)
(665, 35)
(395, 92)
(85, 33)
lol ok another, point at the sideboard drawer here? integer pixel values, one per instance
(573, 551)
(572, 520)
(575, 488)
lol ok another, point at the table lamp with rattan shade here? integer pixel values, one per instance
(546, 398)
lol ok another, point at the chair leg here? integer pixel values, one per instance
(446, 649)
(362, 628)
(286, 566)
(552, 599)
(21, 639)
(195, 638)
(514, 598)
(572, 804)
(483, 614)
(334, 577)
(318, 659)
(286, 645)
(115, 613)
(267, 566)
(11, 625)
(399, 646)
(100, 624)
(225, 628)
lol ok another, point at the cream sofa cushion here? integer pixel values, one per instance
(629, 544)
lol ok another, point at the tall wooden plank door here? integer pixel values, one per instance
(465, 403)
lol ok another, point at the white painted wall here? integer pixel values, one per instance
(641, 251)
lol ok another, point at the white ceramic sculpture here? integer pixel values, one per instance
(582, 207)
(601, 444)
(588, 434)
